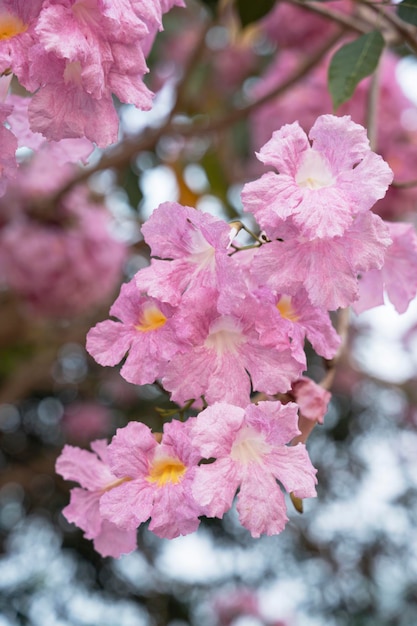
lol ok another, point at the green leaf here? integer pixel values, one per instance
(407, 11)
(253, 10)
(351, 63)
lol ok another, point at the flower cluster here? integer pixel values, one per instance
(214, 323)
(72, 56)
(135, 478)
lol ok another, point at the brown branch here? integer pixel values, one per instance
(342, 328)
(407, 32)
(349, 22)
(407, 184)
(304, 68)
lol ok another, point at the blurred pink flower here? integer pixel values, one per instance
(54, 265)
(84, 421)
(234, 603)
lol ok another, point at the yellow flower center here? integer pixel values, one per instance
(10, 25)
(151, 319)
(167, 470)
(284, 306)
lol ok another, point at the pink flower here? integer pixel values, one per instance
(251, 455)
(18, 19)
(295, 317)
(322, 186)
(234, 603)
(63, 151)
(161, 478)
(326, 268)
(398, 275)
(92, 472)
(65, 108)
(196, 245)
(222, 355)
(396, 137)
(145, 332)
(73, 55)
(311, 399)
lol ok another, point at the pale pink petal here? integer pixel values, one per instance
(260, 503)
(83, 510)
(130, 449)
(291, 465)
(174, 513)
(285, 149)
(400, 267)
(344, 142)
(62, 110)
(213, 431)
(114, 541)
(278, 421)
(215, 486)
(128, 505)
(371, 291)
(83, 467)
(108, 342)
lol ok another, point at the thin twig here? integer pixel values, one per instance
(407, 32)
(342, 328)
(407, 184)
(349, 22)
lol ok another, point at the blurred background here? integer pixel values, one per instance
(351, 558)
